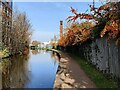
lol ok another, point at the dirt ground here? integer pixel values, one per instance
(75, 71)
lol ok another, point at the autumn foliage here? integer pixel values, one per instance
(76, 33)
(104, 20)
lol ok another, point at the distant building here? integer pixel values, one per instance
(46, 45)
(5, 21)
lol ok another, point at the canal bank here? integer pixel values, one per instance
(70, 74)
(35, 70)
(82, 74)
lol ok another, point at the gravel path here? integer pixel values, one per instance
(70, 75)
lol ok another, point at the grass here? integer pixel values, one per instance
(101, 80)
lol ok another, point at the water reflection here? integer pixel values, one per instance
(35, 51)
(55, 55)
(15, 72)
(36, 70)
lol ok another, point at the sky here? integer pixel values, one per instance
(45, 16)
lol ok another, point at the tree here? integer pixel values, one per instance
(35, 43)
(76, 33)
(21, 32)
(106, 18)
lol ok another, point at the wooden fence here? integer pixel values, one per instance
(101, 53)
(104, 55)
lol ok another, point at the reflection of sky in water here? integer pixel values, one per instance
(42, 70)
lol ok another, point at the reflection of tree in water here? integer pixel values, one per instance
(0, 76)
(15, 73)
(5, 73)
(35, 51)
(55, 56)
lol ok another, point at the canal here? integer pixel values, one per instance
(35, 70)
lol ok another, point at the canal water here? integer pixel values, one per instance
(35, 70)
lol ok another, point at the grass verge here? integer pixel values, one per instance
(101, 80)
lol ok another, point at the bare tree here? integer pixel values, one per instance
(21, 31)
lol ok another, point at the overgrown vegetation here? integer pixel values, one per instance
(21, 31)
(104, 20)
(100, 22)
(19, 36)
(4, 52)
